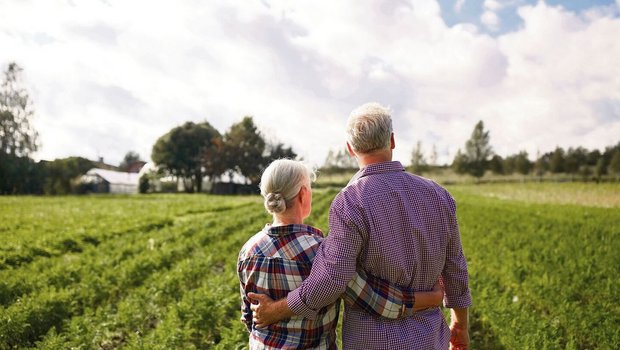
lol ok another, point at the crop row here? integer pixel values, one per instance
(78, 283)
(51, 227)
(542, 275)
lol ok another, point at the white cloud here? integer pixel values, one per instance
(458, 5)
(107, 79)
(492, 5)
(491, 20)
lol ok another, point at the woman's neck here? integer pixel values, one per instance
(292, 218)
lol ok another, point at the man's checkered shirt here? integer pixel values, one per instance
(399, 227)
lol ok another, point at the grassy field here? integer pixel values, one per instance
(158, 271)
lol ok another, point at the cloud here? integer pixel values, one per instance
(493, 5)
(111, 77)
(458, 5)
(491, 20)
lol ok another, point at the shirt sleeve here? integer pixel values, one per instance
(454, 275)
(246, 312)
(378, 297)
(334, 264)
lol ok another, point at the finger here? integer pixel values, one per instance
(256, 297)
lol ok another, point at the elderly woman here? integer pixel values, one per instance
(278, 258)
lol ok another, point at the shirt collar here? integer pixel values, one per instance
(290, 229)
(378, 168)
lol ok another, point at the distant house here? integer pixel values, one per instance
(110, 181)
(136, 166)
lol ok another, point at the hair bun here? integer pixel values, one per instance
(274, 203)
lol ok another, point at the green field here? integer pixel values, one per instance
(158, 271)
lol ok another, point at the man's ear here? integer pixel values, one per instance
(350, 149)
(392, 143)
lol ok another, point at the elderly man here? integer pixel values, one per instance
(396, 226)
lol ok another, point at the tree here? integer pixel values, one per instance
(575, 158)
(609, 153)
(593, 157)
(21, 175)
(496, 164)
(181, 152)
(556, 163)
(600, 169)
(478, 150)
(345, 161)
(329, 160)
(418, 162)
(144, 183)
(614, 164)
(433, 159)
(459, 164)
(509, 164)
(278, 151)
(541, 165)
(62, 173)
(130, 158)
(244, 147)
(18, 138)
(522, 163)
(339, 162)
(17, 135)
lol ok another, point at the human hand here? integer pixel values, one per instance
(266, 312)
(438, 292)
(430, 299)
(459, 337)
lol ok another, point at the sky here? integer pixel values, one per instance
(111, 76)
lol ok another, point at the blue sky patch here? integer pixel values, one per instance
(470, 11)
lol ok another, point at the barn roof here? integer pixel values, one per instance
(115, 177)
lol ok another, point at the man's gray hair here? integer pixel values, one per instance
(369, 128)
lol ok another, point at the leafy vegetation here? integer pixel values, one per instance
(158, 271)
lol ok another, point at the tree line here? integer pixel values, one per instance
(478, 158)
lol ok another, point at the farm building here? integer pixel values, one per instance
(109, 181)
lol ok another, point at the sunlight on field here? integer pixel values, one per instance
(586, 194)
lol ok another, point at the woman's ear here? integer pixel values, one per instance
(303, 193)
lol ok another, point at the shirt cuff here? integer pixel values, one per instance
(459, 301)
(294, 302)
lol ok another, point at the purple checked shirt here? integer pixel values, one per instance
(399, 227)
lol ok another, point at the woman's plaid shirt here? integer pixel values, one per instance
(276, 260)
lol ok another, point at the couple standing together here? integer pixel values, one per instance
(393, 255)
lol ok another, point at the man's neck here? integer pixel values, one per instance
(363, 160)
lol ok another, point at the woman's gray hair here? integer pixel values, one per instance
(369, 128)
(281, 182)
